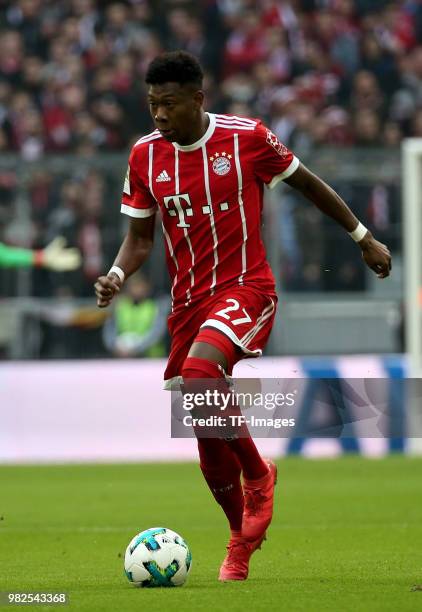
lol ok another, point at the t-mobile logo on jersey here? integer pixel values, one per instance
(179, 205)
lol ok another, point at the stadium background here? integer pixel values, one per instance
(340, 82)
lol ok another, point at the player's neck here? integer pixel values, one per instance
(198, 130)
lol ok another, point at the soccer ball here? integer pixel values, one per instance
(157, 557)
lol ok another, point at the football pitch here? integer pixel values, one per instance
(346, 535)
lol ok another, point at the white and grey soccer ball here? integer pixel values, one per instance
(157, 557)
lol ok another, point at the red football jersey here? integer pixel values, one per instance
(210, 195)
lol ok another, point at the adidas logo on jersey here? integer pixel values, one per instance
(162, 177)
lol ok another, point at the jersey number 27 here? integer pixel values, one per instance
(235, 306)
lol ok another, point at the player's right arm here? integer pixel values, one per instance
(139, 204)
(133, 252)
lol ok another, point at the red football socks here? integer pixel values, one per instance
(253, 466)
(222, 461)
(221, 471)
(218, 463)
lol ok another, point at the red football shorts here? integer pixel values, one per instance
(243, 314)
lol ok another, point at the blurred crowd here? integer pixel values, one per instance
(342, 73)
(319, 71)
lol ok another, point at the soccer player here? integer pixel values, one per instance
(206, 174)
(54, 257)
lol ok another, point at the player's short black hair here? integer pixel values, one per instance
(175, 67)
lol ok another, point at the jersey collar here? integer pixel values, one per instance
(198, 144)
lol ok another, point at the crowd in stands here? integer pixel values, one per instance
(318, 71)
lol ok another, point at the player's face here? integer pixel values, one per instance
(176, 111)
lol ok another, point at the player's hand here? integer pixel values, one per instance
(376, 255)
(56, 257)
(106, 288)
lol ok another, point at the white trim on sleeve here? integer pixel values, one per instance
(137, 213)
(294, 165)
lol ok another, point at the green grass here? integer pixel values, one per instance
(347, 535)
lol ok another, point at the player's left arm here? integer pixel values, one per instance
(375, 254)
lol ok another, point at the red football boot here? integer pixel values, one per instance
(236, 564)
(259, 499)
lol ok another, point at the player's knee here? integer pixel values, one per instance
(223, 350)
(196, 367)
